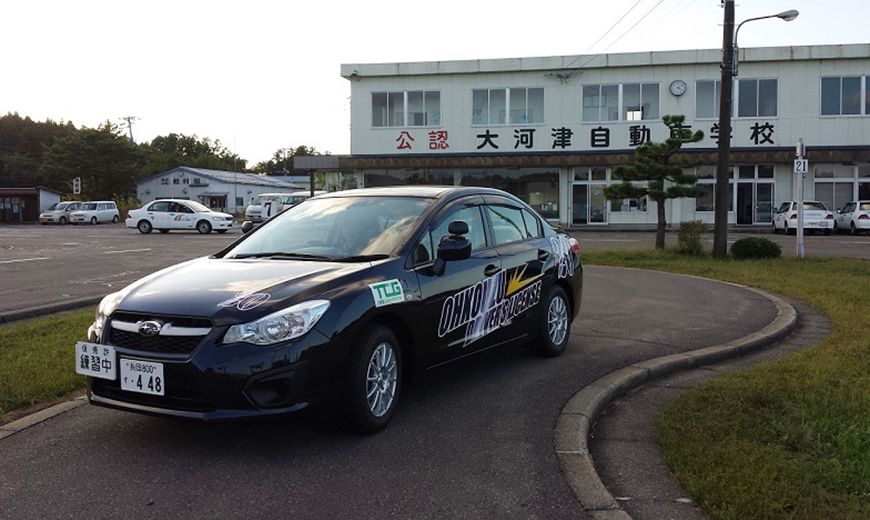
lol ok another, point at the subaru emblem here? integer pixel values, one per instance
(150, 327)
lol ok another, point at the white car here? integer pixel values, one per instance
(59, 212)
(816, 217)
(168, 214)
(267, 205)
(853, 217)
(96, 211)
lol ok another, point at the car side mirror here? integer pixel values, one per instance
(247, 226)
(452, 247)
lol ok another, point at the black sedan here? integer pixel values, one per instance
(343, 295)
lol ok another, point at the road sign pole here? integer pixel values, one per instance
(800, 170)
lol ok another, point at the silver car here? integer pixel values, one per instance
(59, 212)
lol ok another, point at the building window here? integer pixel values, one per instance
(756, 97)
(628, 205)
(240, 201)
(185, 180)
(175, 181)
(497, 106)
(164, 181)
(707, 184)
(843, 96)
(406, 108)
(640, 101)
(707, 94)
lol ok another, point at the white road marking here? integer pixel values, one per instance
(24, 260)
(611, 240)
(126, 251)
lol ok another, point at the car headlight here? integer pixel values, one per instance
(286, 324)
(106, 307)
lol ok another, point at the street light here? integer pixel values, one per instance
(787, 16)
(729, 70)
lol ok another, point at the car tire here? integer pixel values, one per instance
(115, 219)
(368, 405)
(164, 231)
(144, 227)
(221, 231)
(93, 221)
(62, 221)
(854, 229)
(827, 232)
(203, 227)
(555, 324)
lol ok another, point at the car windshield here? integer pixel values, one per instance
(88, 207)
(336, 228)
(255, 200)
(294, 199)
(57, 205)
(815, 206)
(196, 206)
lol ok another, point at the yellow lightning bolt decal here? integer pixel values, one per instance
(516, 282)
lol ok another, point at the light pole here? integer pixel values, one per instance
(729, 70)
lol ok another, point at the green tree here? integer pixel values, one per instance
(661, 179)
(281, 162)
(23, 142)
(107, 162)
(169, 151)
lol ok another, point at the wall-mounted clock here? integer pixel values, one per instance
(678, 87)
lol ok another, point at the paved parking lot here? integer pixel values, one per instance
(48, 264)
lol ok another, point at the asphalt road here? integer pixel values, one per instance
(50, 264)
(469, 440)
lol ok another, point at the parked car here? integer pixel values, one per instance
(59, 212)
(816, 217)
(342, 295)
(165, 215)
(267, 205)
(853, 217)
(94, 212)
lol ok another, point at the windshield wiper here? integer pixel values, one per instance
(361, 258)
(282, 255)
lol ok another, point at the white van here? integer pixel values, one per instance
(267, 205)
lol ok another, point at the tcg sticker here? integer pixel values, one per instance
(387, 293)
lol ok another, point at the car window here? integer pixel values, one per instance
(55, 206)
(533, 225)
(507, 224)
(814, 206)
(865, 206)
(89, 207)
(159, 206)
(784, 207)
(427, 248)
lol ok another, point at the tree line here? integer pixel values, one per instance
(52, 154)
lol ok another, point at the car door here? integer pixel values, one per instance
(844, 216)
(104, 212)
(454, 302)
(158, 214)
(184, 217)
(524, 254)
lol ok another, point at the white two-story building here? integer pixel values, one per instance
(552, 130)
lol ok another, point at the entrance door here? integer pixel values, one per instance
(589, 205)
(763, 203)
(745, 204)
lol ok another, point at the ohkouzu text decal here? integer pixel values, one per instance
(489, 304)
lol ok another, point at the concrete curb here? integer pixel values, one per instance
(579, 413)
(14, 427)
(51, 308)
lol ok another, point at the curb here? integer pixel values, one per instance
(570, 438)
(51, 308)
(14, 427)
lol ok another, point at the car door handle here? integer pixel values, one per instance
(543, 255)
(491, 270)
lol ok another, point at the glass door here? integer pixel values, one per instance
(744, 203)
(763, 203)
(580, 204)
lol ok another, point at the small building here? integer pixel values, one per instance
(219, 190)
(24, 204)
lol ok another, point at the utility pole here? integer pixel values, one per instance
(723, 171)
(129, 120)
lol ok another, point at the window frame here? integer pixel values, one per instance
(405, 123)
(735, 98)
(507, 106)
(473, 201)
(620, 102)
(863, 111)
(505, 204)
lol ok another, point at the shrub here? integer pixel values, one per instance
(689, 237)
(755, 247)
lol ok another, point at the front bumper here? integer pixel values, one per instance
(230, 382)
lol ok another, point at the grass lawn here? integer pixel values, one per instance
(783, 439)
(36, 359)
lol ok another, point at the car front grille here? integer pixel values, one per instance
(179, 335)
(175, 398)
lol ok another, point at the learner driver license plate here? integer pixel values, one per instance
(145, 377)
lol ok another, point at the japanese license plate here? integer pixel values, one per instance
(145, 377)
(95, 360)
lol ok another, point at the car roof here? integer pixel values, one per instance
(432, 192)
(306, 192)
(98, 202)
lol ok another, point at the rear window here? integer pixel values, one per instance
(865, 206)
(815, 206)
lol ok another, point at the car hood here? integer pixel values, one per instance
(232, 291)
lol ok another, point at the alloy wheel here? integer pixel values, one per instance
(557, 320)
(381, 378)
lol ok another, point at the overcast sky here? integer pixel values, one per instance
(264, 75)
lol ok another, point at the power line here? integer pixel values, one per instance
(621, 18)
(667, 16)
(642, 18)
